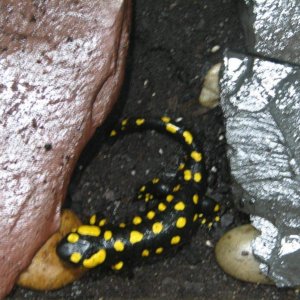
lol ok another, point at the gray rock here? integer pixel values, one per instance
(261, 102)
(272, 28)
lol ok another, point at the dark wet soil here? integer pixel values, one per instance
(170, 53)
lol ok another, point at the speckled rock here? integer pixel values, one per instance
(61, 68)
(235, 257)
(260, 101)
(47, 271)
(272, 28)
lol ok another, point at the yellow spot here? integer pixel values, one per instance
(93, 219)
(159, 250)
(157, 227)
(161, 207)
(151, 197)
(177, 188)
(181, 221)
(73, 237)
(180, 206)
(119, 246)
(118, 266)
(166, 119)
(196, 156)
(175, 240)
(75, 257)
(217, 219)
(89, 230)
(216, 208)
(95, 260)
(137, 220)
(102, 222)
(113, 133)
(195, 217)
(107, 235)
(197, 177)
(171, 128)
(155, 180)
(209, 225)
(203, 221)
(196, 199)
(124, 122)
(122, 225)
(187, 175)
(145, 253)
(181, 166)
(147, 197)
(150, 214)
(200, 215)
(188, 137)
(169, 198)
(143, 188)
(135, 237)
(140, 122)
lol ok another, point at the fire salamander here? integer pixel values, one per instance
(178, 206)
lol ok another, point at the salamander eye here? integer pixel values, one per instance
(209, 207)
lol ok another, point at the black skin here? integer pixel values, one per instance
(178, 206)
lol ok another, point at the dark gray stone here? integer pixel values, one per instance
(261, 102)
(272, 28)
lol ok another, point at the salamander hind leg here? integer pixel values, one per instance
(156, 188)
(209, 211)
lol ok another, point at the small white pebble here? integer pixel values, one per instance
(221, 137)
(209, 243)
(179, 119)
(215, 48)
(214, 169)
(147, 172)
(161, 151)
(153, 94)
(133, 172)
(146, 82)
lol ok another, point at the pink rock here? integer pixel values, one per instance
(61, 67)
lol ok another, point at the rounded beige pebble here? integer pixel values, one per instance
(234, 255)
(47, 271)
(210, 93)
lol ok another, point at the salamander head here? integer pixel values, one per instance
(73, 248)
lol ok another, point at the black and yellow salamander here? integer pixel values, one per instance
(178, 206)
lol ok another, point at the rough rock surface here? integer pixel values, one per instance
(272, 28)
(61, 66)
(260, 100)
